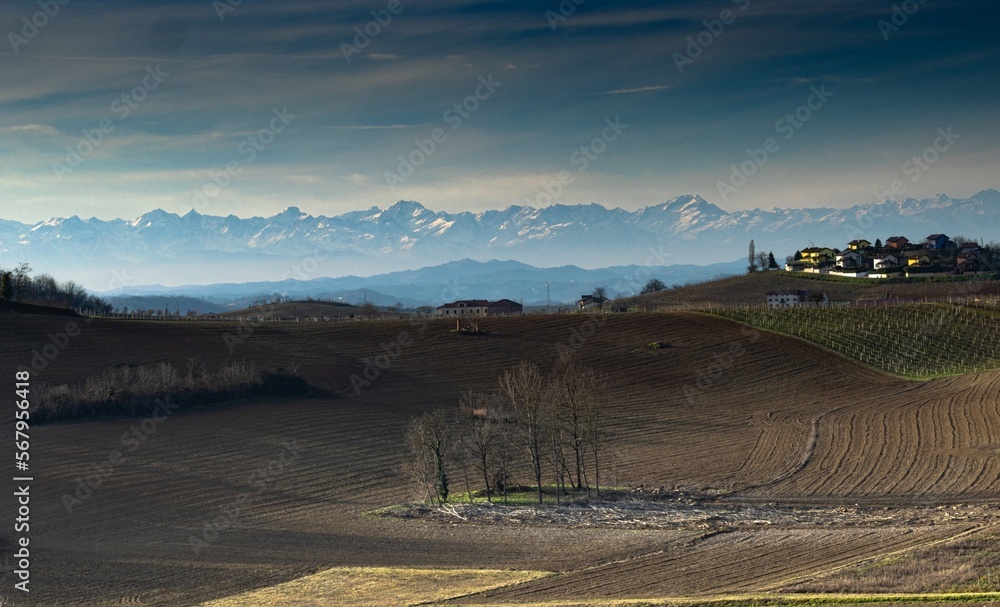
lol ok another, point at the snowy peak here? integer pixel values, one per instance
(407, 235)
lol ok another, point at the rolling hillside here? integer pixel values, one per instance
(747, 416)
(751, 289)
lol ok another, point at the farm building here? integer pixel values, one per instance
(479, 307)
(967, 261)
(818, 255)
(850, 259)
(918, 258)
(885, 262)
(898, 243)
(938, 241)
(790, 298)
(589, 302)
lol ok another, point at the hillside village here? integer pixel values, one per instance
(936, 255)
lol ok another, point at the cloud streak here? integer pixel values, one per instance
(606, 60)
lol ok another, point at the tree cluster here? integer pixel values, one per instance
(19, 286)
(548, 428)
(761, 261)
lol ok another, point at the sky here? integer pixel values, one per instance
(246, 107)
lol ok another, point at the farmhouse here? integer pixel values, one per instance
(589, 302)
(897, 243)
(818, 255)
(938, 241)
(479, 307)
(504, 307)
(859, 245)
(967, 261)
(884, 262)
(849, 259)
(790, 298)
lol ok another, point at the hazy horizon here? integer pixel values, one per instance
(627, 208)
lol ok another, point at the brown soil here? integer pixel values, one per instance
(751, 418)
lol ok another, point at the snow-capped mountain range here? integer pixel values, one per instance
(166, 248)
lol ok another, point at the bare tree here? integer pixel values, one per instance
(594, 386)
(761, 261)
(21, 279)
(579, 394)
(6, 286)
(569, 402)
(482, 435)
(505, 455)
(429, 439)
(523, 389)
(369, 310)
(556, 455)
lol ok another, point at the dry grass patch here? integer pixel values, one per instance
(967, 565)
(378, 587)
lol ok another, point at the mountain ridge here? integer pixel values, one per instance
(159, 246)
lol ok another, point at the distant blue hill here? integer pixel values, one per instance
(464, 279)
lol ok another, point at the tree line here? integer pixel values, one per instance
(17, 285)
(546, 427)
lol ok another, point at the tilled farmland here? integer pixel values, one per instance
(218, 500)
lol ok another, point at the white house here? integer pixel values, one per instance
(479, 307)
(849, 259)
(467, 307)
(851, 273)
(789, 298)
(885, 262)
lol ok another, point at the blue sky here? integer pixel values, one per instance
(255, 106)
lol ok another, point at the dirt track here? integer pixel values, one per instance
(751, 416)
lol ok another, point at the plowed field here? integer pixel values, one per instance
(278, 489)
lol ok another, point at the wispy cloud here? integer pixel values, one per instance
(640, 89)
(422, 72)
(369, 127)
(34, 129)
